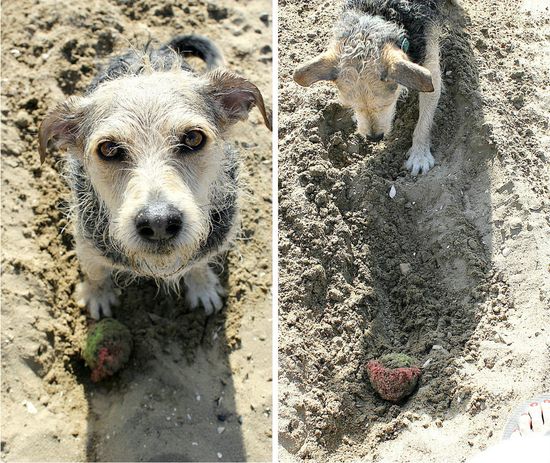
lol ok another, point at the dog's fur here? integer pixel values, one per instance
(381, 48)
(144, 104)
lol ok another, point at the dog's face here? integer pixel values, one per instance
(372, 99)
(369, 83)
(153, 147)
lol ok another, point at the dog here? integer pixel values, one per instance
(380, 49)
(154, 180)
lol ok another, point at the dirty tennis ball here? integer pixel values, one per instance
(107, 349)
(394, 376)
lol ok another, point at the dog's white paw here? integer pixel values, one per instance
(98, 298)
(204, 288)
(420, 160)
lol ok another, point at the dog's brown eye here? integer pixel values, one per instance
(193, 140)
(110, 150)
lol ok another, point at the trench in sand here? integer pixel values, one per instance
(357, 299)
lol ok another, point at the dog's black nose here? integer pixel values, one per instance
(376, 137)
(159, 222)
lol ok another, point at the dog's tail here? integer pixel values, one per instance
(199, 46)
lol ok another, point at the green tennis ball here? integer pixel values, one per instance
(108, 348)
(397, 360)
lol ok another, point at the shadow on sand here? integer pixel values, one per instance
(175, 401)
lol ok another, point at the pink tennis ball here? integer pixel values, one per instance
(393, 376)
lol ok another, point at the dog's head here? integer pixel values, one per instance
(152, 146)
(369, 69)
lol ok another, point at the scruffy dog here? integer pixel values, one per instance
(381, 48)
(154, 180)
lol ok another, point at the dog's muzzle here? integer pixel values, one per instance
(159, 222)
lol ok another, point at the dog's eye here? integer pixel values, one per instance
(193, 140)
(110, 151)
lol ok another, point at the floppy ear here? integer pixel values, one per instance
(323, 67)
(60, 124)
(398, 68)
(236, 96)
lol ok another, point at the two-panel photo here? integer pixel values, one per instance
(261, 231)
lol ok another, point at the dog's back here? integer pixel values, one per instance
(164, 58)
(414, 16)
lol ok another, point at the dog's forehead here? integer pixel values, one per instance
(155, 93)
(354, 76)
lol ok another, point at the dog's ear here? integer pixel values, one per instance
(398, 68)
(237, 96)
(323, 67)
(61, 124)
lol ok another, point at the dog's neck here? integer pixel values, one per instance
(93, 219)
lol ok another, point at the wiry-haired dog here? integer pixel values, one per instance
(154, 180)
(382, 47)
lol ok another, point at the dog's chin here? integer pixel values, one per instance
(161, 259)
(159, 248)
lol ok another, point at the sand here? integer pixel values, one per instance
(452, 270)
(196, 388)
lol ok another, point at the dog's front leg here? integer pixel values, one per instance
(96, 291)
(420, 159)
(203, 288)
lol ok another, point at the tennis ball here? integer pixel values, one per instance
(107, 349)
(393, 376)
